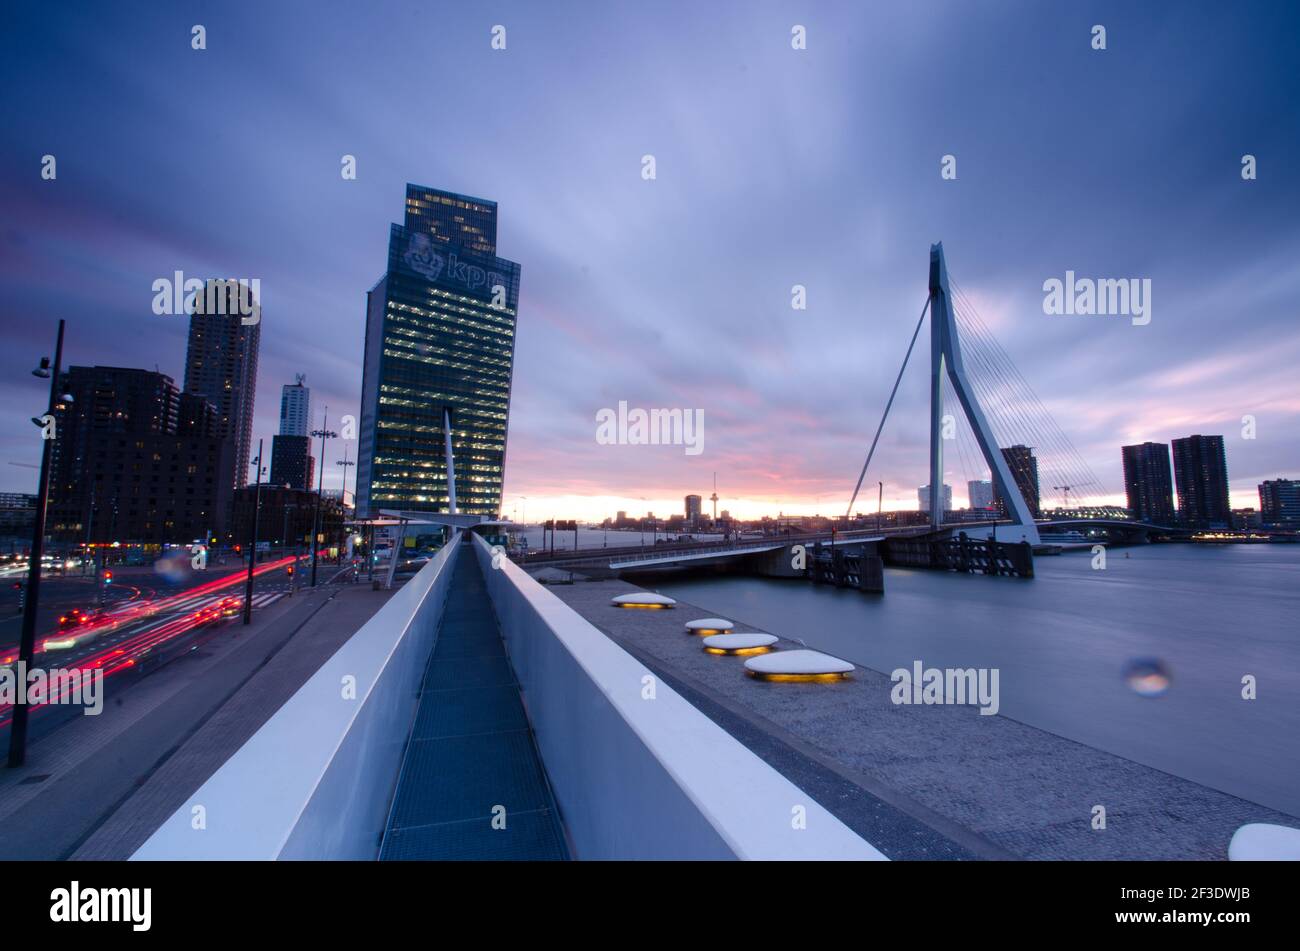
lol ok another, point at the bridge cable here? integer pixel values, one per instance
(862, 475)
(1064, 458)
(1047, 433)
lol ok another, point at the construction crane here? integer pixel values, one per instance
(1066, 489)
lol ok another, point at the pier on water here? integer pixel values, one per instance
(961, 553)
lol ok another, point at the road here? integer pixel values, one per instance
(150, 621)
(105, 782)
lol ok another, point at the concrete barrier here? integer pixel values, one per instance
(315, 782)
(637, 771)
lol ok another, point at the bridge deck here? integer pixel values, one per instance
(471, 748)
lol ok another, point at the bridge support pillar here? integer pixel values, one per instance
(871, 574)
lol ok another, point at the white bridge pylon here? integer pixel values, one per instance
(945, 360)
(945, 357)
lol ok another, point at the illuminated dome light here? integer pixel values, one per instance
(800, 666)
(1264, 842)
(706, 626)
(642, 599)
(734, 644)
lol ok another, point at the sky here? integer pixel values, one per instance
(774, 167)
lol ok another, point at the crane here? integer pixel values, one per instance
(1066, 489)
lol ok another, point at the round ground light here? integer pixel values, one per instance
(1263, 841)
(801, 666)
(706, 626)
(734, 644)
(642, 599)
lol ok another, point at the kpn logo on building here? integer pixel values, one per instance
(219, 297)
(421, 258)
(424, 259)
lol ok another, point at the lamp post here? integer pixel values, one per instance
(347, 464)
(324, 434)
(27, 640)
(252, 545)
(343, 494)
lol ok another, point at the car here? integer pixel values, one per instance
(75, 618)
(209, 615)
(231, 606)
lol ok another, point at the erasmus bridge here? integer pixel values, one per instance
(480, 715)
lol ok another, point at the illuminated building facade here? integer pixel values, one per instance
(440, 337)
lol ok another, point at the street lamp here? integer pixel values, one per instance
(27, 640)
(347, 464)
(252, 545)
(343, 494)
(324, 434)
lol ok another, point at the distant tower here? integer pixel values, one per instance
(291, 460)
(295, 407)
(714, 497)
(221, 366)
(693, 504)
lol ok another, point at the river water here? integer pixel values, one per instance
(1064, 641)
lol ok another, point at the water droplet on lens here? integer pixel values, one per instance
(1147, 676)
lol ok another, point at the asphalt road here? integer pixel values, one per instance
(61, 592)
(66, 792)
(155, 620)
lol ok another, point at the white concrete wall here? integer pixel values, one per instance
(638, 778)
(315, 782)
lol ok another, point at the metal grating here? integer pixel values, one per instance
(471, 749)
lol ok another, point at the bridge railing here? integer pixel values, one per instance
(698, 550)
(638, 772)
(315, 781)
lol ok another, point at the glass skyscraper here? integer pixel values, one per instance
(440, 338)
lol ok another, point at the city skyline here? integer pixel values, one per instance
(628, 299)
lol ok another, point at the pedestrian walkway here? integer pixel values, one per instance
(472, 784)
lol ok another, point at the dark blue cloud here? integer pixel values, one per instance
(775, 168)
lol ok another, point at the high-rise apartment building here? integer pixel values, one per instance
(694, 508)
(221, 365)
(1201, 475)
(980, 493)
(295, 407)
(291, 461)
(923, 498)
(439, 361)
(135, 461)
(1024, 469)
(1148, 483)
(1279, 502)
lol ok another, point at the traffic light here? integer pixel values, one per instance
(108, 578)
(289, 571)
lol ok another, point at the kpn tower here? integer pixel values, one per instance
(439, 361)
